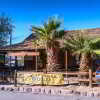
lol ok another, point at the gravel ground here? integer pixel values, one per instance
(83, 89)
(30, 96)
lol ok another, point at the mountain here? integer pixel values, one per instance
(94, 32)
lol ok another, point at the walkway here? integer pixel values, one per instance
(30, 96)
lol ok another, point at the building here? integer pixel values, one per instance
(34, 58)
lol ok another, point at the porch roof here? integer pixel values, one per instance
(23, 53)
(23, 46)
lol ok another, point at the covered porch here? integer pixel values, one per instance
(26, 60)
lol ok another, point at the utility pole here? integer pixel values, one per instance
(36, 59)
(10, 56)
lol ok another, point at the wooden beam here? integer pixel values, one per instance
(23, 53)
(90, 77)
(66, 60)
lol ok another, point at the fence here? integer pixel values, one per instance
(79, 77)
(69, 77)
(7, 77)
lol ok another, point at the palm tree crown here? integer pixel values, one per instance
(80, 43)
(47, 34)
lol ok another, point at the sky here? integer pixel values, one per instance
(75, 14)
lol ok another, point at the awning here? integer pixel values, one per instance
(23, 53)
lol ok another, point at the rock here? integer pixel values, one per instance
(49, 92)
(84, 94)
(59, 91)
(28, 89)
(44, 91)
(36, 91)
(16, 89)
(71, 91)
(67, 92)
(98, 95)
(92, 94)
(3, 88)
(77, 93)
(11, 89)
(21, 89)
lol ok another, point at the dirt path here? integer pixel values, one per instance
(30, 96)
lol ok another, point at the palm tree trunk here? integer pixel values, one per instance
(52, 59)
(85, 62)
(86, 66)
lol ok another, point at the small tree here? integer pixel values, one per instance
(46, 36)
(5, 29)
(81, 44)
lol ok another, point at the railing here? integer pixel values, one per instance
(68, 76)
(80, 77)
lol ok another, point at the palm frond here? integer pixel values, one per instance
(79, 43)
(49, 32)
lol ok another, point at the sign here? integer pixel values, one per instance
(40, 78)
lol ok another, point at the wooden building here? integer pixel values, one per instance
(35, 57)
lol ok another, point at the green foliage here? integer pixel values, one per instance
(48, 33)
(5, 29)
(79, 43)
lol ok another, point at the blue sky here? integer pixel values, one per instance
(77, 14)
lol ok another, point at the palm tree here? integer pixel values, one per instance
(47, 36)
(78, 43)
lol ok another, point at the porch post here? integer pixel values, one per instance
(90, 77)
(66, 61)
(16, 63)
(36, 59)
(4, 59)
(15, 72)
(15, 78)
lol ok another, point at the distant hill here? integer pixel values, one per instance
(94, 32)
